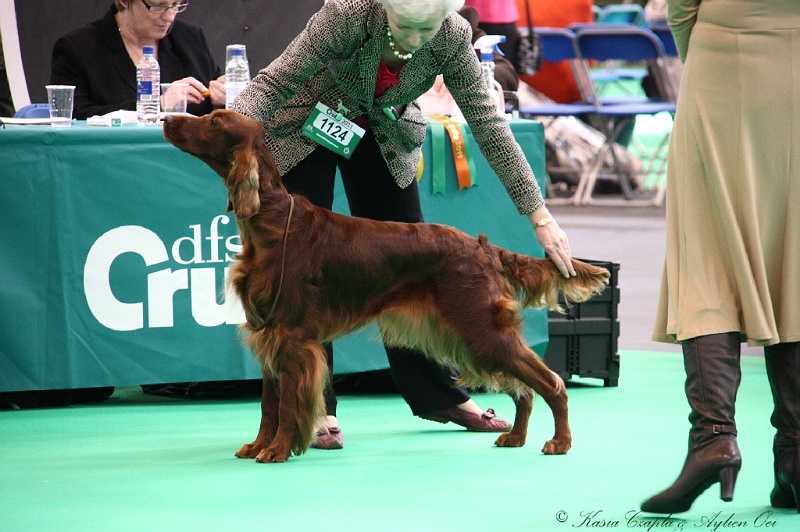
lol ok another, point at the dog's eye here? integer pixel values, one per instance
(213, 121)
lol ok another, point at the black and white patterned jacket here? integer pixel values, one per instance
(335, 58)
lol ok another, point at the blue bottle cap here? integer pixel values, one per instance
(148, 50)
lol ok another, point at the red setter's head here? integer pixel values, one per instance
(233, 146)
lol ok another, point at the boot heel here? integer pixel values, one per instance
(796, 493)
(727, 481)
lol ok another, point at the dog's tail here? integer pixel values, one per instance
(537, 282)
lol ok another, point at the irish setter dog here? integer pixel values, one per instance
(306, 276)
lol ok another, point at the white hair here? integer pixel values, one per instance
(422, 9)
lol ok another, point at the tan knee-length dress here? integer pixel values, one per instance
(733, 193)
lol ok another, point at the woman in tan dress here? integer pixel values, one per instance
(732, 270)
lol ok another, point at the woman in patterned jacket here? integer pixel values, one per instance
(370, 60)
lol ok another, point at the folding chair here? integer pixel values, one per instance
(664, 34)
(632, 45)
(657, 162)
(558, 44)
(611, 73)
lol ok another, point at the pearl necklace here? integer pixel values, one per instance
(404, 57)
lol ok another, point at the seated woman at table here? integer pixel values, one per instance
(100, 58)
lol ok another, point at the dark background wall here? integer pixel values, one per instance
(265, 26)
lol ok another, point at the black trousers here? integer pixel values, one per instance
(373, 193)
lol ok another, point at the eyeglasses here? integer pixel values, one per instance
(160, 9)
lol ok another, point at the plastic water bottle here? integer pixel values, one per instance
(237, 74)
(148, 87)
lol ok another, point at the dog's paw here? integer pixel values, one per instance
(248, 450)
(271, 455)
(509, 439)
(555, 446)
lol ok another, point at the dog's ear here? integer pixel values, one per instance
(243, 183)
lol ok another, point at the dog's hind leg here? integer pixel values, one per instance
(269, 419)
(519, 432)
(521, 373)
(531, 370)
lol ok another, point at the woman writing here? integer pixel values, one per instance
(100, 58)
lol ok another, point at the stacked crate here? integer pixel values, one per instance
(583, 340)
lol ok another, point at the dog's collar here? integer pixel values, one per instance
(280, 280)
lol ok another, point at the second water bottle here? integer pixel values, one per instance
(237, 74)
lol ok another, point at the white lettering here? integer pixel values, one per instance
(211, 304)
(108, 310)
(196, 243)
(215, 237)
(205, 308)
(161, 288)
(234, 245)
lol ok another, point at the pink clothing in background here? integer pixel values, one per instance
(495, 11)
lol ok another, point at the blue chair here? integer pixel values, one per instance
(33, 110)
(664, 34)
(658, 165)
(558, 44)
(611, 73)
(627, 44)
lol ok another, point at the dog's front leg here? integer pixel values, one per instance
(269, 419)
(280, 448)
(302, 373)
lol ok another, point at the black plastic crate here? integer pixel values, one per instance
(583, 340)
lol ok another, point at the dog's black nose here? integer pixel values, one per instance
(169, 119)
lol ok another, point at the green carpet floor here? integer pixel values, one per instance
(142, 463)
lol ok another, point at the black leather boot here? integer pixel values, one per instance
(783, 371)
(713, 374)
